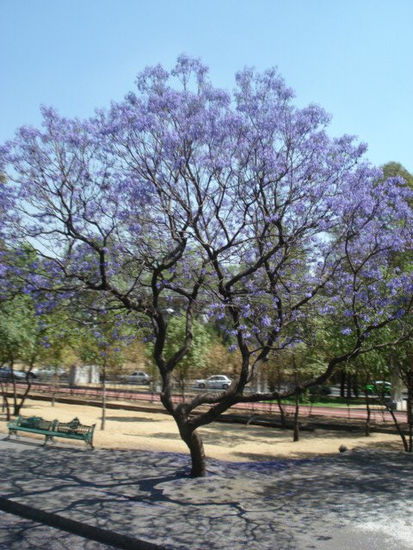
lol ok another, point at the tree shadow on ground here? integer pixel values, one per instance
(166, 435)
(130, 419)
(230, 436)
(246, 505)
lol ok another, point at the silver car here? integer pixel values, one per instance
(138, 377)
(216, 382)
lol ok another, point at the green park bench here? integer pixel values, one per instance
(52, 428)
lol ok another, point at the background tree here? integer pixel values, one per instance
(13, 337)
(101, 342)
(28, 339)
(196, 358)
(399, 362)
(239, 207)
(395, 169)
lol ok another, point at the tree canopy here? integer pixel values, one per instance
(238, 207)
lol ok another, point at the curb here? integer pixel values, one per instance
(74, 527)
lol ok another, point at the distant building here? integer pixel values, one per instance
(85, 374)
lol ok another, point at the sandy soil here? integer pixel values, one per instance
(157, 432)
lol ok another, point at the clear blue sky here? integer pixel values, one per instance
(353, 57)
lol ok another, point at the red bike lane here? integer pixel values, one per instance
(377, 413)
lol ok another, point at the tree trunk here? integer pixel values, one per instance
(54, 388)
(103, 419)
(19, 406)
(407, 439)
(396, 423)
(410, 406)
(182, 387)
(368, 417)
(5, 405)
(196, 447)
(283, 418)
(355, 385)
(14, 396)
(399, 429)
(296, 426)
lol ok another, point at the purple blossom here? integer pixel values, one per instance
(266, 321)
(235, 206)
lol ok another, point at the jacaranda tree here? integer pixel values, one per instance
(185, 199)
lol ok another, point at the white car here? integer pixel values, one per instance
(47, 373)
(216, 382)
(137, 377)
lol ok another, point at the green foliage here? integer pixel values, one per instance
(393, 169)
(101, 339)
(29, 338)
(13, 331)
(196, 357)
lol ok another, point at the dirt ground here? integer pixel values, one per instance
(233, 442)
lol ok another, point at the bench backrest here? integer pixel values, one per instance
(74, 426)
(35, 422)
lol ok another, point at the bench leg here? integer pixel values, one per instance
(47, 439)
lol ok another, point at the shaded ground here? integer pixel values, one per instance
(362, 499)
(256, 500)
(17, 534)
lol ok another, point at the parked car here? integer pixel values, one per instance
(7, 374)
(216, 382)
(137, 377)
(47, 373)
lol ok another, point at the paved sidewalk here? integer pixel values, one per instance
(359, 500)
